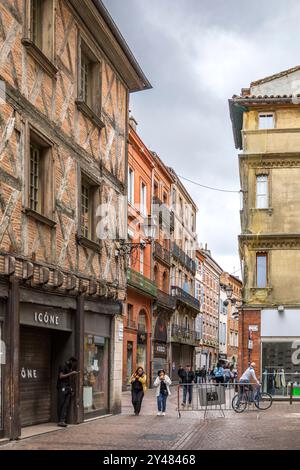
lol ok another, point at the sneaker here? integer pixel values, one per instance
(163, 413)
(183, 405)
(159, 413)
(62, 425)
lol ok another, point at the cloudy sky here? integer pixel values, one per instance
(197, 54)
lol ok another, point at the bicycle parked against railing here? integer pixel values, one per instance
(248, 396)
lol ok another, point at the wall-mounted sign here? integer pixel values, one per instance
(160, 350)
(121, 331)
(250, 344)
(253, 327)
(37, 315)
(27, 374)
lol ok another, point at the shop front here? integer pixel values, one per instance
(182, 355)
(280, 352)
(96, 377)
(45, 343)
(160, 349)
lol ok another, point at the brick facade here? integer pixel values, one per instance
(247, 318)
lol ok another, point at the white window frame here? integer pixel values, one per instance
(268, 122)
(142, 254)
(143, 200)
(131, 186)
(262, 191)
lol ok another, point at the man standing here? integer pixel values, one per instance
(188, 378)
(65, 390)
(180, 373)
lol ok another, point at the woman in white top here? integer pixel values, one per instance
(162, 384)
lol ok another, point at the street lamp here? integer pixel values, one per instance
(149, 230)
(229, 292)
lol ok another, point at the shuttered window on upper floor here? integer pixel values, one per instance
(262, 201)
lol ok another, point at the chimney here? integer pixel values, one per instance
(132, 122)
(245, 92)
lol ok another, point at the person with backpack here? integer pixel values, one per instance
(162, 384)
(219, 373)
(188, 378)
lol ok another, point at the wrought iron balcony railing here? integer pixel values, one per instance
(162, 253)
(183, 296)
(140, 282)
(166, 215)
(131, 324)
(166, 300)
(183, 258)
(182, 334)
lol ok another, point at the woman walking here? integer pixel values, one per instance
(138, 387)
(162, 384)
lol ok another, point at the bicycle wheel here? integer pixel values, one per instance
(263, 401)
(239, 404)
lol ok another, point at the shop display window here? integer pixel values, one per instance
(281, 368)
(96, 374)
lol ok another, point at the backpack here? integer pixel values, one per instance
(218, 372)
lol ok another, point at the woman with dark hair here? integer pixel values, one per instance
(138, 387)
(162, 384)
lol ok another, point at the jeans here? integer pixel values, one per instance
(220, 380)
(188, 390)
(245, 384)
(137, 398)
(63, 404)
(162, 402)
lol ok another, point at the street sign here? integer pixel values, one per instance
(253, 327)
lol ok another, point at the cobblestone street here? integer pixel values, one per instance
(277, 428)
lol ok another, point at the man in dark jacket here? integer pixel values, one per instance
(65, 389)
(188, 378)
(180, 373)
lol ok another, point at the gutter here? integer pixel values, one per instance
(121, 41)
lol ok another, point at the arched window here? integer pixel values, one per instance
(142, 322)
(165, 282)
(156, 277)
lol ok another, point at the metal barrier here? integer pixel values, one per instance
(212, 396)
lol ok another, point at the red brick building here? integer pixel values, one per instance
(141, 290)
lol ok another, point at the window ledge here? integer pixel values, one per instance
(268, 210)
(89, 113)
(39, 217)
(261, 289)
(86, 242)
(40, 57)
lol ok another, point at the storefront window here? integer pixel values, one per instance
(96, 376)
(141, 353)
(281, 367)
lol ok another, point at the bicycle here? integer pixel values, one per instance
(262, 400)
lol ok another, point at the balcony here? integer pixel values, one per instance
(131, 324)
(166, 216)
(185, 298)
(162, 253)
(183, 258)
(141, 283)
(180, 334)
(166, 301)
